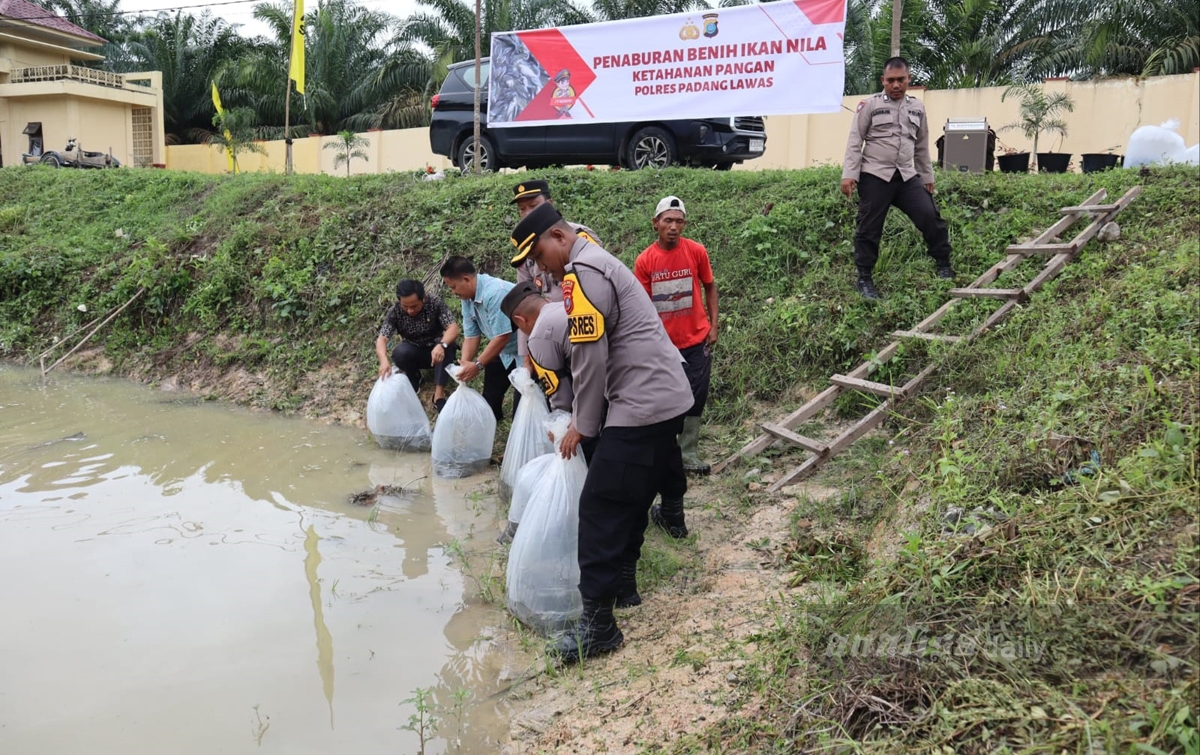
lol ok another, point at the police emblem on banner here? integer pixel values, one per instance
(710, 25)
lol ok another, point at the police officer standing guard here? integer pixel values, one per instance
(619, 351)
(887, 157)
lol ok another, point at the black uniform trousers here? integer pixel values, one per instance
(875, 196)
(697, 365)
(411, 358)
(496, 383)
(629, 467)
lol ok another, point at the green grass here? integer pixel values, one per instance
(1065, 440)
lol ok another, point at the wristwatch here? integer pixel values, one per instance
(444, 346)
(478, 366)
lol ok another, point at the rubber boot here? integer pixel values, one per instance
(597, 632)
(689, 444)
(669, 516)
(627, 591)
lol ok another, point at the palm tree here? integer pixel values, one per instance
(1039, 112)
(349, 147)
(358, 74)
(234, 133)
(1120, 38)
(191, 52)
(615, 10)
(447, 27)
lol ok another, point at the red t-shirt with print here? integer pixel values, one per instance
(673, 279)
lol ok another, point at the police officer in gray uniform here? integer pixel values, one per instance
(527, 196)
(887, 158)
(619, 352)
(545, 326)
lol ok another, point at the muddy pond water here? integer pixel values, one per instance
(186, 577)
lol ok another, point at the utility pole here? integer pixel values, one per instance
(478, 84)
(897, 13)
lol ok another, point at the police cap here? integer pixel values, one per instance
(515, 296)
(524, 236)
(529, 189)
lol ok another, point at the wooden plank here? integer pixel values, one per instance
(911, 386)
(996, 317)
(989, 293)
(858, 384)
(925, 336)
(853, 433)
(795, 439)
(806, 412)
(1025, 249)
(1100, 208)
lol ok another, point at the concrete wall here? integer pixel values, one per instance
(1106, 113)
(21, 56)
(397, 150)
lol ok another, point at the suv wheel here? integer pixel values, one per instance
(651, 147)
(466, 154)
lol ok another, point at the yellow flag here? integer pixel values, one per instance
(220, 110)
(296, 73)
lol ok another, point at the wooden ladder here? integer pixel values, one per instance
(1060, 254)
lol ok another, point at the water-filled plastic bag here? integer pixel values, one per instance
(464, 433)
(395, 415)
(527, 438)
(543, 565)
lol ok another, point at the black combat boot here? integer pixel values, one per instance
(627, 592)
(669, 516)
(597, 632)
(865, 286)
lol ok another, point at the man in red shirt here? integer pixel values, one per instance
(674, 270)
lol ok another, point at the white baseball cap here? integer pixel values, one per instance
(669, 203)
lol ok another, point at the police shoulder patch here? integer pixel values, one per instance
(547, 379)
(585, 323)
(861, 105)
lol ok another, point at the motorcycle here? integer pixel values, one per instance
(71, 157)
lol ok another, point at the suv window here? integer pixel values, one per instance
(466, 74)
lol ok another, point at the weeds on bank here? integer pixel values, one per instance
(1035, 587)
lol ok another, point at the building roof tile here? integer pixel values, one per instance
(24, 10)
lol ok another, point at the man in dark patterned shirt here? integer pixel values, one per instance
(429, 332)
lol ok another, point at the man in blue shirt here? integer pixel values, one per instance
(481, 295)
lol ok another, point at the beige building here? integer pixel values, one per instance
(48, 97)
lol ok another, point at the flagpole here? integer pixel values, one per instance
(287, 129)
(287, 103)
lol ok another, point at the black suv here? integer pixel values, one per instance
(707, 142)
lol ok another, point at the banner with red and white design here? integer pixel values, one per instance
(772, 59)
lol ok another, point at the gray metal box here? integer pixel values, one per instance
(966, 144)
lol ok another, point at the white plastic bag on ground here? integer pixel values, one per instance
(1155, 145)
(1192, 156)
(527, 439)
(395, 415)
(543, 564)
(464, 433)
(528, 479)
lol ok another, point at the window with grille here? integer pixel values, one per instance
(143, 137)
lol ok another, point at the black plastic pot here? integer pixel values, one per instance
(1097, 161)
(1017, 163)
(1053, 162)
